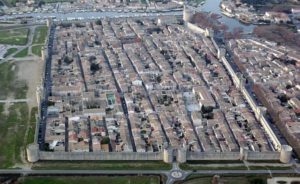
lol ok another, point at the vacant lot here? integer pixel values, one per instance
(31, 72)
(17, 36)
(93, 180)
(12, 131)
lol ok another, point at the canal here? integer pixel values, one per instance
(213, 6)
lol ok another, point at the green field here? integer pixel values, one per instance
(93, 180)
(13, 118)
(9, 83)
(7, 77)
(269, 167)
(17, 36)
(186, 166)
(37, 50)
(22, 53)
(10, 51)
(198, 179)
(108, 165)
(40, 34)
(12, 131)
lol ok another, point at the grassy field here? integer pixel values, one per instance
(40, 35)
(205, 167)
(108, 165)
(10, 51)
(21, 89)
(14, 36)
(214, 162)
(22, 53)
(269, 167)
(12, 131)
(9, 83)
(7, 76)
(37, 50)
(251, 179)
(93, 180)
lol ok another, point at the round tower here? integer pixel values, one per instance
(48, 22)
(181, 155)
(32, 152)
(285, 153)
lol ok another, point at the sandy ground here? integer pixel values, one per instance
(31, 71)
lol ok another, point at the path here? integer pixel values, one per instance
(14, 100)
(21, 47)
(176, 174)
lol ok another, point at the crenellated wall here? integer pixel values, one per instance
(99, 156)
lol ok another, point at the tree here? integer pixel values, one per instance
(68, 60)
(94, 67)
(206, 109)
(105, 140)
(283, 98)
(98, 22)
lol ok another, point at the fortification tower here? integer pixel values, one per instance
(187, 14)
(181, 155)
(48, 22)
(32, 152)
(168, 155)
(285, 153)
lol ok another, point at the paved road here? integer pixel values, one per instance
(14, 100)
(149, 172)
(79, 172)
(175, 174)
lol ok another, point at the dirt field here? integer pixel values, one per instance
(31, 71)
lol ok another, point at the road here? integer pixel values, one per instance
(46, 88)
(14, 100)
(30, 56)
(175, 174)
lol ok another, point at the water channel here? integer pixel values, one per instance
(208, 6)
